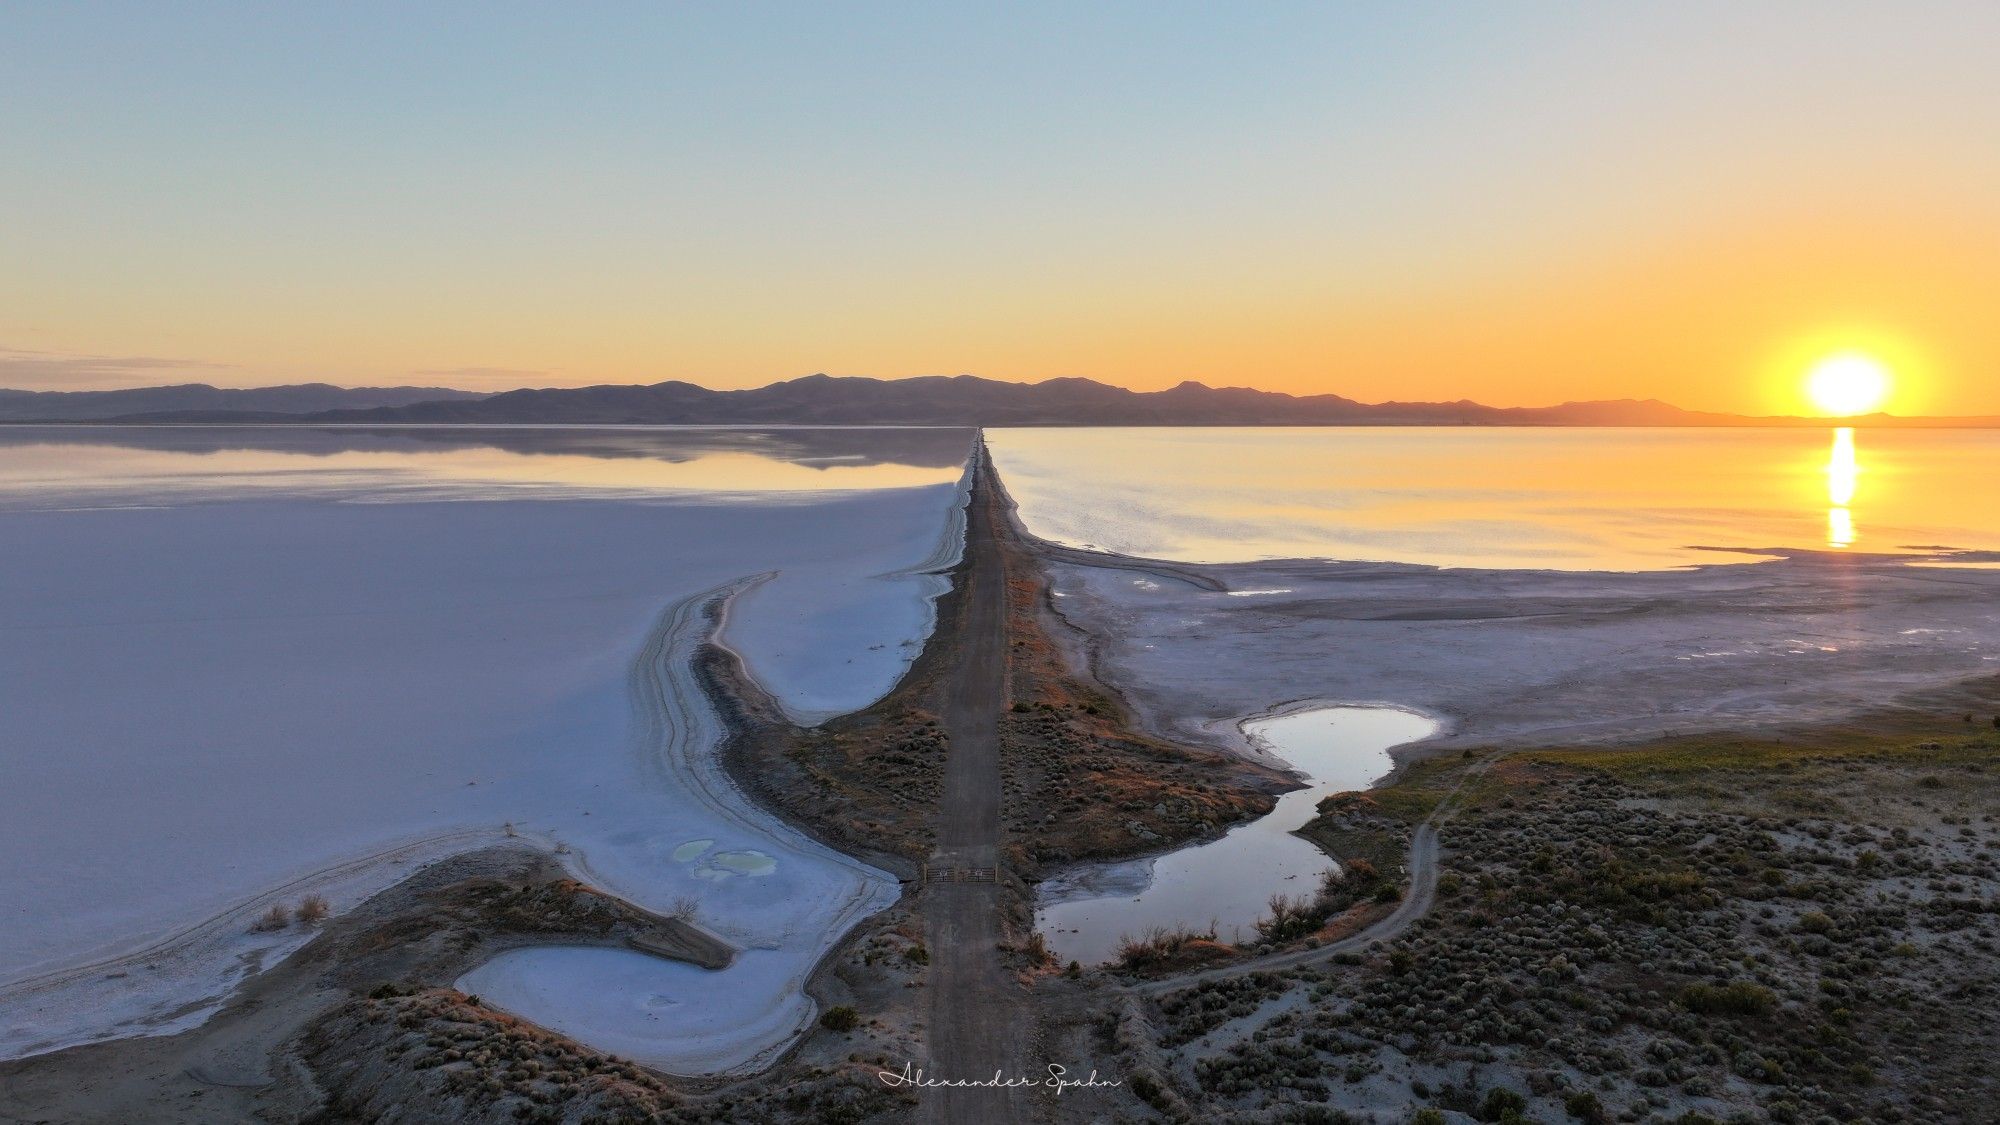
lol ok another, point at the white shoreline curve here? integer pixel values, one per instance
(174, 978)
(676, 733)
(933, 570)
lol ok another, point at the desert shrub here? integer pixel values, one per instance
(1038, 949)
(683, 908)
(839, 1018)
(313, 910)
(1147, 1089)
(1814, 922)
(1428, 1117)
(917, 955)
(1503, 1105)
(276, 918)
(1290, 919)
(1737, 998)
(1585, 1107)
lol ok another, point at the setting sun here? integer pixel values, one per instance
(1849, 383)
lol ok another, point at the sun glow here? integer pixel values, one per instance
(1848, 383)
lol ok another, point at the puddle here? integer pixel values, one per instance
(1085, 914)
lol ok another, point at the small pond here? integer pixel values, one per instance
(1084, 914)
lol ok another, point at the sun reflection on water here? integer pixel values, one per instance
(1843, 473)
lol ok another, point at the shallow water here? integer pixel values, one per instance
(667, 1014)
(44, 467)
(1228, 882)
(1562, 499)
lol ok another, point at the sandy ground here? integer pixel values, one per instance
(1530, 657)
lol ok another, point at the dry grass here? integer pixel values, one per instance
(1163, 948)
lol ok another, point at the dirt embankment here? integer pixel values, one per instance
(867, 783)
(437, 1055)
(248, 1062)
(1081, 779)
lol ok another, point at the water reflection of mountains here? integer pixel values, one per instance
(921, 447)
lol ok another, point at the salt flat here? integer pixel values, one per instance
(215, 701)
(1538, 657)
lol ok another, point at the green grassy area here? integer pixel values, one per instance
(1682, 758)
(1704, 765)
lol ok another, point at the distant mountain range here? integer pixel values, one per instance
(962, 400)
(300, 398)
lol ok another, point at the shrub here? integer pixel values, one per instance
(1738, 998)
(1428, 1117)
(1038, 949)
(1388, 892)
(1813, 922)
(839, 1018)
(1584, 1106)
(313, 910)
(1503, 1105)
(917, 955)
(1161, 946)
(276, 918)
(1289, 920)
(1148, 1090)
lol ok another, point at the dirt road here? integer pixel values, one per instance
(979, 1021)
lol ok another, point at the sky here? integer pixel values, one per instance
(1519, 203)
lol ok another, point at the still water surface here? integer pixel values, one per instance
(1563, 499)
(1228, 883)
(44, 467)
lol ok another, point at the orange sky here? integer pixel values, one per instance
(1520, 205)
